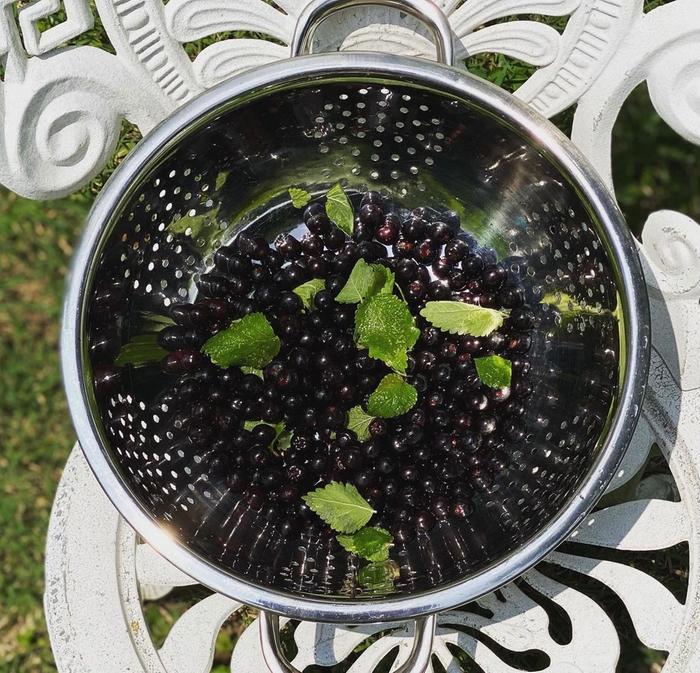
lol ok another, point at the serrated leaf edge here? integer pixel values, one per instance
(491, 357)
(404, 384)
(500, 315)
(351, 546)
(319, 490)
(402, 355)
(333, 196)
(299, 196)
(363, 438)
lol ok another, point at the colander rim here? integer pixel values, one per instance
(447, 81)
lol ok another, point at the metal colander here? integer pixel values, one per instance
(423, 134)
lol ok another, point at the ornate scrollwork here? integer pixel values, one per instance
(67, 113)
(496, 632)
(157, 75)
(79, 19)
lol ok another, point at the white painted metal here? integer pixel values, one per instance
(60, 122)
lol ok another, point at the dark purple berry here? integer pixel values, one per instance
(440, 232)
(378, 427)
(521, 318)
(289, 302)
(425, 252)
(494, 275)
(312, 244)
(440, 507)
(313, 209)
(424, 521)
(456, 250)
(334, 239)
(371, 214)
(107, 380)
(388, 232)
(438, 290)
(403, 248)
(473, 266)
(417, 290)
(442, 267)
(461, 509)
(319, 224)
(511, 297)
(288, 246)
(182, 361)
(255, 497)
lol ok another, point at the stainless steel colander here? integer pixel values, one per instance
(425, 134)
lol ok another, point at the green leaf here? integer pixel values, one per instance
(359, 421)
(252, 370)
(369, 543)
(140, 351)
(392, 397)
(360, 283)
(307, 291)
(494, 371)
(300, 197)
(283, 441)
(385, 326)
(378, 578)
(249, 341)
(339, 209)
(388, 278)
(365, 280)
(155, 321)
(457, 317)
(341, 506)
(249, 425)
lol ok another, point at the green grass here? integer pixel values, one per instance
(36, 242)
(653, 169)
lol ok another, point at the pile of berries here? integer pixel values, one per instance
(414, 469)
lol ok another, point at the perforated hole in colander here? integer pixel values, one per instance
(418, 148)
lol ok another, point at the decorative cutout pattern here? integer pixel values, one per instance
(158, 75)
(61, 128)
(79, 19)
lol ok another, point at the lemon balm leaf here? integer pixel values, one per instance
(359, 284)
(249, 342)
(140, 351)
(370, 543)
(456, 317)
(387, 277)
(300, 197)
(378, 578)
(341, 506)
(339, 209)
(307, 291)
(359, 421)
(393, 397)
(494, 371)
(365, 281)
(385, 326)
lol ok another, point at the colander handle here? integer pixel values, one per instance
(418, 661)
(424, 10)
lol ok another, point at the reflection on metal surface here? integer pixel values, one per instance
(533, 202)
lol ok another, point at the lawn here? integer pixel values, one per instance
(36, 243)
(653, 168)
